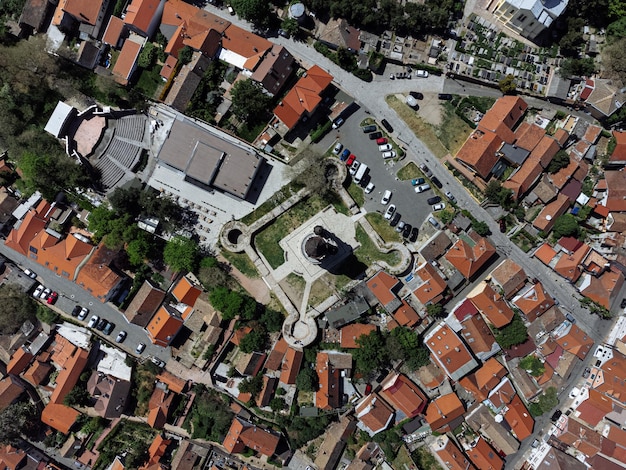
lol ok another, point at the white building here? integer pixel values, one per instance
(528, 18)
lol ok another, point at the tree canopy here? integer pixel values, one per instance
(507, 85)
(256, 340)
(565, 225)
(232, 303)
(560, 160)
(17, 307)
(307, 380)
(512, 334)
(533, 365)
(18, 419)
(256, 11)
(250, 103)
(181, 254)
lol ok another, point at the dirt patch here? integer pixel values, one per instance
(255, 287)
(293, 285)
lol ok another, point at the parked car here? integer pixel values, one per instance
(337, 149)
(445, 96)
(417, 95)
(46, 292)
(433, 200)
(386, 125)
(121, 336)
(418, 181)
(369, 128)
(375, 135)
(386, 197)
(389, 212)
(384, 147)
(436, 182)
(422, 187)
(570, 318)
(426, 170)
(381, 141)
(30, 273)
(396, 218)
(84, 311)
(76, 310)
(52, 298)
(93, 321)
(38, 290)
(556, 415)
(586, 372)
(421, 73)
(108, 329)
(502, 225)
(284, 33)
(101, 324)
(354, 167)
(392, 76)
(623, 303)
(369, 188)
(337, 123)
(407, 230)
(450, 196)
(413, 236)
(141, 347)
(400, 226)
(350, 159)
(439, 207)
(345, 154)
(433, 222)
(390, 154)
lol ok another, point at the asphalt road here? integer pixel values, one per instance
(71, 294)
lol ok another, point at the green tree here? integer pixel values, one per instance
(346, 59)
(46, 315)
(560, 160)
(291, 26)
(138, 249)
(307, 380)
(232, 303)
(18, 419)
(512, 334)
(497, 194)
(577, 67)
(78, 396)
(434, 310)
(256, 340)
(17, 308)
(481, 228)
(370, 354)
(256, 11)
(250, 103)
(185, 55)
(147, 56)
(278, 404)
(571, 42)
(272, 319)
(252, 385)
(545, 403)
(507, 85)
(181, 254)
(533, 365)
(565, 225)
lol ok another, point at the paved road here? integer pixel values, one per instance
(71, 294)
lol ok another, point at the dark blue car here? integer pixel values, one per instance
(345, 154)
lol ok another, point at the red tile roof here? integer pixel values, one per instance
(11, 458)
(402, 394)
(63, 257)
(465, 309)
(186, 292)
(97, 276)
(503, 116)
(406, 315)
(68, 375)
(243, 434)
(467, 259)
(125, 64)
(619, 153)
(443, 410)
(275, 357)
(545, 253)
(576, 341)
(449, 352)
(382, 286)
(291, 366)
(484, 379)
(492, 305)
(59, 417)
(594, 408)
(164, 326)
(140, 13)
(19, 238)
(528, 135)
(159, 407)
(350, 333)
(450, 454)
(484, 456)
(19, 361)
(546, 218)
(113, 31)
(510, 276)
(173, 382)
(329, 395)
(479, 152)
(85, 11)
(374, 413)
(534, 301)
(604, 288)
(478, 336)
(568, 266)
(432, 287)
(519, 419)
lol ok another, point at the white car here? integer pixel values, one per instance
(400, 226)
(384, 147)
(354, 168)
(390, 154)
(38, 291)
(83, 313)
(337, 148)
(46, 292)
(422, 187)
(439, 207)
(93, 321)
(369, 188)
(421, 73)
(386, 198)
(30, 274)
(450, 196)
(389, 212)
(140, 348)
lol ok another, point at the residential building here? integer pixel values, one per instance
(159, 406)
(267, 392)
(406, 397)
(275, 358)
(88, 15)
(569, 265)
(275, 69)
(19, 361)
(432, 287)
(573, 339)
(114, 31)
(405, 315)
(99, 276)
(329, 394)
(10, 390)
(509, 277)
(164, 325)
(500, 396)
(443, 411)
(528, 18)
(186, 293)
(384, 286)
(349, 334)
(533, 302)
(470, 255)
(37, 373)
(483, 456)
(126, 63)
(436, 246)
(110, 393)
(373, 413)
(479, 338)
(335, 439)
(33, 222)
(243, 434)
(34, 15)
(156, 451)
(551, 211)
(618, 156)
(144, 305)
(142, 16)
(344, 314)
(491, 305)
(481, 420)
(449, 455)
(339, 34)
(59, 417)
(186, 82)
(291, 366)
(485, 379)
(65, 257)
(603, 289)
(519, 419)
(449, 352)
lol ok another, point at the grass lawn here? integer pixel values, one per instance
(249, 133)
(368, 253)
(386, 231)
(149, 80)
(321, 289)
(357, 194)
(242, 262)
(403, 460)
(294, 285)
(267, 240)
(409, 171)
(425, 459)
(278, 198)
(453, 131)
(424, 130)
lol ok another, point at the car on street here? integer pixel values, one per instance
(354, 167)
(76, 310)
(421, 74)
(407, 230)
(556, 415)
(389, 212)
(337, 149)
(368, 389)
(417, 95)
(384, 147)
(439, 207)
(392, 76)
(350, 159)
(502, 225)
(422, 187)
(93, 321)
(369, 188)
(108, 328)
(436, 182)
(400, 226)
(450, 196)
(445, 96)
(396, 218)
(381, 141)
(413, 236)
(623, 303)
(570, 318)
(345, 154)
(52, 298)
(418, 181)
(390, 154)
(433, 200)
(386, 198)
(46, 292)
(386, 125)
(433, 221)
(38, 290)
(141, 347)
(30, 273)
(121, 336)
(375, 135)
(157, 362)
(337, 123)
(101, 324)
(369, 128)
(586, 372)
(84, 311)
(426, 170)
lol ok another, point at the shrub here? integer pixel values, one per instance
(363, 74)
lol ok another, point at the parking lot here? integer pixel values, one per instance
(412, 207)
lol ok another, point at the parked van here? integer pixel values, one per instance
(360, 173)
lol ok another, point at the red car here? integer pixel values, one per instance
(52, 298)
(350, 159)
(381, 141)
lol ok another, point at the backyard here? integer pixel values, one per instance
(128, 438)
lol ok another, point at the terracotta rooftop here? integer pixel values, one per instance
(113, 31)
(406, 315)
(449, 352)
(186, 292)
(450, 454)
(534, 301)
(502, 117)
(484, 456)
(173, 382)
(125, 64)
(478, 336)
(403, 394)
(69, 374)
(291, 366)
(468, 259)
(493, 306)
(97, 275)
(528, 135)
(432, 286)
(484, 379)
(619, 153)
(19, 361)
(594, 408)
(382, 286)
(275, 357)
(20, 237)
(159, 407)
(59, 417)
(37, 373)
(350, 333)
(374, 414)
(243, 434)
(443, 410)
(10, 390)
(519, 418)
(548, 215)
(464, 310)
(479, 152)
(568, 266)
(329, 395)
(561, 136)
(604, 288)
(144, 305)
(140, 13)
(509, 276)
(164, 326)
(576, 341)
(545, 253)
(524, 177)
(85, 11)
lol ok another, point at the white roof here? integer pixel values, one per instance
(77, 335)
(114, 363)
(21, 210)
(59, 117)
